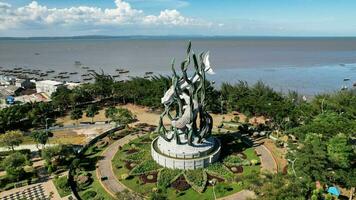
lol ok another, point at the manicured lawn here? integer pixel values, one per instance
(135, 183)
(62, 186)
(251, 155)
(95, 185)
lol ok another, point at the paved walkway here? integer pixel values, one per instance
(267, 161)
(104, 169)
(242, 195)
(39, 190)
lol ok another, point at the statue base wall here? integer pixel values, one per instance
(184, 156)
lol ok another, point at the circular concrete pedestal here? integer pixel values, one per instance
(184, 156)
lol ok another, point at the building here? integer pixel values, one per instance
(24, 83)
(47, 86)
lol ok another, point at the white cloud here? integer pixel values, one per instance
(36, 15)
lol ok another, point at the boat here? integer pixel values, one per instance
(61, 73)
(85, 74)
(87, 79)
(64, 77)
(147, 77)
(346, 79)
(148, 73)
(342, 65)
(50, 71)
(17, 68)
(124, 72)
(115, 76)
(90, 70)
(85, 67)
(72, 73)
(43, 74)
(77, 63)
(37, 54)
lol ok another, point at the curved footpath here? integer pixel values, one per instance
(112, 185)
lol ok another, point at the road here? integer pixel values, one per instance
(104, 169)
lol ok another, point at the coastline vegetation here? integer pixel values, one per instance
(324, 126)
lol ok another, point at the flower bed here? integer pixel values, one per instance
(216, 178)
(149, 178)
(145, 167)
(236, 169)
(167, 176)
(180, 184)
(219, 170)
(130, 165)
(136, 157)
(197, 179)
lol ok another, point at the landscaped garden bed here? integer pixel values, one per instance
(143, 175)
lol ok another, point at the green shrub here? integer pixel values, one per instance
(145, 167)
(254, 162)
(197, 179)
(62, 186)
(233, 160)
(219, 170)
(124, 176)
(167, 176)
(89, 195)
(139, 156)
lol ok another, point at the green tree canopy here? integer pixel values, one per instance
(76, 114)
(340, 151)
(120, 116)
(11, 139)
(14, 165)
(40, 137)
(91, 111)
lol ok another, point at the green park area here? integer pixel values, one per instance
(135, 168)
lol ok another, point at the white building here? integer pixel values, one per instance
(47, 86)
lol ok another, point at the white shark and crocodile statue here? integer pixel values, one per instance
(187, 97)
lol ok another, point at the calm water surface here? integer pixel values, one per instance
(307, 65)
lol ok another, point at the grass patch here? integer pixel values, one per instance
(167, 176)
(62, 186)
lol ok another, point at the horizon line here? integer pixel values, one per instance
(167, 36)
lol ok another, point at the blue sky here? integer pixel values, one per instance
(178, 17)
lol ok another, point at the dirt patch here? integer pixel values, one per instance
(130, 165)
(236, 169)
(131, 151)
(180, 184)
(211, 177)
(149, 178)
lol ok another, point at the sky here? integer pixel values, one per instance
(27, 18)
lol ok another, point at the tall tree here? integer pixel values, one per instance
(91, 111)
(76, 114)
(14, 165)
(40, 137)
(11, 139)
(122, 116)
(340, 151)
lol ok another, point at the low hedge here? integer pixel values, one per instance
(167, 176)
(145, 167)
(139, 156)
(89, 195)
(197, 179)
(219, 170)
(62, 186)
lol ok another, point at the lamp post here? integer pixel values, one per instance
(212, 182)
(47, 124)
